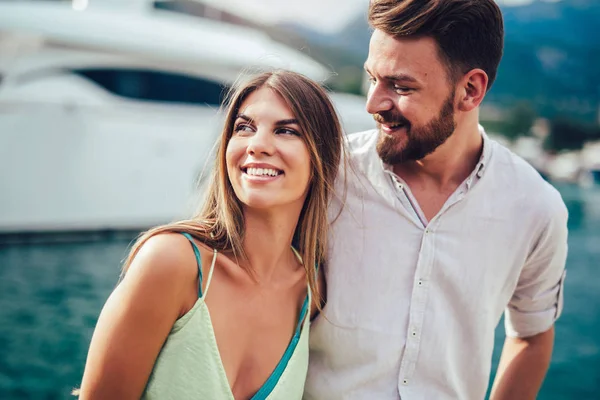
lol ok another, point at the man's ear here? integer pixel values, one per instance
(472, 89)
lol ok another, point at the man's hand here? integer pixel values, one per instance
(522, 367)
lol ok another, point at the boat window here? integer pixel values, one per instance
(158, 86)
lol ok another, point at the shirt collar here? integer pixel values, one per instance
(479, 168)
(485, 154)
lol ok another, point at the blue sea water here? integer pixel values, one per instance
(51, 295)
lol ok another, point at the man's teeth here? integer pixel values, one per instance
(262, 172)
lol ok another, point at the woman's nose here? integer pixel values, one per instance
(262, 142)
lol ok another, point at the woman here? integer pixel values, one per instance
(155, 338)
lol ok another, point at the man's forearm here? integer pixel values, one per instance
(522, 367)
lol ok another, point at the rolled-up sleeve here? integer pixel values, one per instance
(537, 301)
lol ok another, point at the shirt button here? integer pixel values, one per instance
(414, 334)
(420, 283)
(427, 231)
(405, 382)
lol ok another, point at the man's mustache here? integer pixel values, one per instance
(390, 118)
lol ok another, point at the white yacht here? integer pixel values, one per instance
(108, 114)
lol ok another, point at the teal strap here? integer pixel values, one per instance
(270, 384)
(198, 261)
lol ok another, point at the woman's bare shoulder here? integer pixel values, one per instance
(165, 257)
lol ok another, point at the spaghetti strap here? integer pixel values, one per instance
(210, 271)
(198, 261)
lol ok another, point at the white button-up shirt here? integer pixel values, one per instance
(412, 305)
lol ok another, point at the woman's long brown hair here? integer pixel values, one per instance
(220, 222)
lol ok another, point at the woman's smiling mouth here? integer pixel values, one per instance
(260, 172)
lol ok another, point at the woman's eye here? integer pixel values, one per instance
(243, 127)
(287, 131)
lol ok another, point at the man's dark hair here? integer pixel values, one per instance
(469, 33)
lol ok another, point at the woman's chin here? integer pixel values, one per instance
(261, 203)
(268, 203)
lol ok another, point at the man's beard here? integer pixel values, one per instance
(419, 142)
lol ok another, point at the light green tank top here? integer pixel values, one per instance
(189, 365)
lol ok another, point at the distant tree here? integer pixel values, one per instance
(348, 80)
(595, 134)
(566, 134)
(520, 120)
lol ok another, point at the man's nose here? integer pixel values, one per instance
(378, 100)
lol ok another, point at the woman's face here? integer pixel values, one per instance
(268, 162)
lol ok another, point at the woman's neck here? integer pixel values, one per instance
(267, 243)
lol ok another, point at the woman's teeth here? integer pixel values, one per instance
(262, 172)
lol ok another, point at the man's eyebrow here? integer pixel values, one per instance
(395, 77)
(401, 78)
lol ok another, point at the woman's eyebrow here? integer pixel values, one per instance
(244, 117)
(290, 121)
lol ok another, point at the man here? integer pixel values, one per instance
(442, 228)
